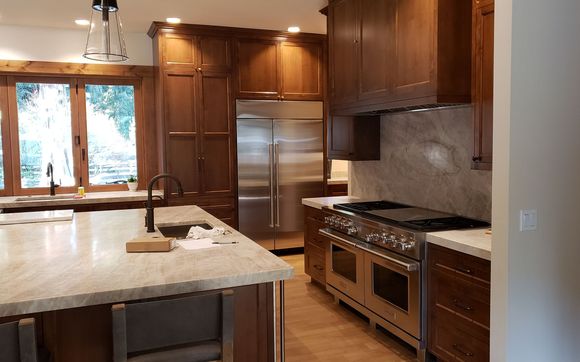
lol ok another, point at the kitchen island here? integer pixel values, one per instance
(68, 274)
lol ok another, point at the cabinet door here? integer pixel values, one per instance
(217, 136)
(340, 142)
(182, 130)
(415, 33)
(377, 24)
(178, 50)
(483, 84)
(301, 71)
(343, 38)
(258, 65)
(214, 54)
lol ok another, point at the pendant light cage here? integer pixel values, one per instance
(105, 41)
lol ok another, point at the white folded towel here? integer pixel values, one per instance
(197, 232)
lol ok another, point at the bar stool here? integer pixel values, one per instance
(189, 329)
(18, 341)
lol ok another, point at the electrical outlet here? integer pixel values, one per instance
(528, 220)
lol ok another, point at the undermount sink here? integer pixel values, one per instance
(180, 231)
(45, 198)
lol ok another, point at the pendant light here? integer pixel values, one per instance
(105, 41)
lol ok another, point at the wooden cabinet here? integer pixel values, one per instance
(257, 69)
(387, 54)
(314, 245)
(343, 37)
(337, 189)
(458, 305)
(195, 112)
(280, 69)
(354, 138)
(482, 81)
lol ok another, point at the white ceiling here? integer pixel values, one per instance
(137, 15)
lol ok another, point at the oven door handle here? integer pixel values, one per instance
(323, 232)
(407, 266)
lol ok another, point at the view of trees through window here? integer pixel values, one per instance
(111, 133)
(45, 135)
(45, 131)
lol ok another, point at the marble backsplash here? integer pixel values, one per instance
(426, 162)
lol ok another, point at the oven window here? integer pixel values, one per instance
(391, 286)
(343, 262)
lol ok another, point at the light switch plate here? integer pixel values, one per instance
(528, 220)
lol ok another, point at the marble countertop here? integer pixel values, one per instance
(36, 216)
(61, 265)
(9, 202)
(320, 202)
(473, 242)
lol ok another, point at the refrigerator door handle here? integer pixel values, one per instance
(271, 182)
(277, 165)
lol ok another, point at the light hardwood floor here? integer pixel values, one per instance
(319, 330)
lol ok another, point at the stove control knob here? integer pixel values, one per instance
(408, 245)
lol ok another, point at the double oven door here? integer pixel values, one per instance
(393, 289)
(384, 282)
(345, 266)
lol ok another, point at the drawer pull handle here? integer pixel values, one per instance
(458, 304)
(460, 350)
(318, 267)
(464, 270)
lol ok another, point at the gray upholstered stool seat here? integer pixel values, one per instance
(18, 341)
(190, 329)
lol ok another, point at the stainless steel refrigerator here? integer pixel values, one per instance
(280, 161)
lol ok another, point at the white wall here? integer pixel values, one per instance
(536, 274)
(63, 45)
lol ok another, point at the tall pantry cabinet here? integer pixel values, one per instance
(195, 118)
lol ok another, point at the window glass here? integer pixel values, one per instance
(44, 131)
(112, 150)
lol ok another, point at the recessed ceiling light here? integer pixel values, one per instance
(82, 22)
(173, 20)
(294, 29)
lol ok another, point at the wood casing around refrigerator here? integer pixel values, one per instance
(199, 72)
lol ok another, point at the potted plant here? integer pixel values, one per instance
(132, 183)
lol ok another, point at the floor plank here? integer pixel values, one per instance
(319, 330)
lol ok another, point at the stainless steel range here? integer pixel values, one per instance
(375, 262)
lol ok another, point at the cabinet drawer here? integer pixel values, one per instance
(468, 299)
(315, 266)
(313, 213)
(460, 263)
(313, 236)
(453, 338)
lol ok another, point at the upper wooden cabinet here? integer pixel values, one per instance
(354, 138)
(387, 54)
(482, 81)
(280, 69)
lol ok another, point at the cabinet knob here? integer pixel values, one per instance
(476, 158)
(199, 69)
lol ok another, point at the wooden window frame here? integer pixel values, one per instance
(10, 136)
(139, 129)
(15, 137)
(5, 134)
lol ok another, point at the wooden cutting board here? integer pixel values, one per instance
(150, 244)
